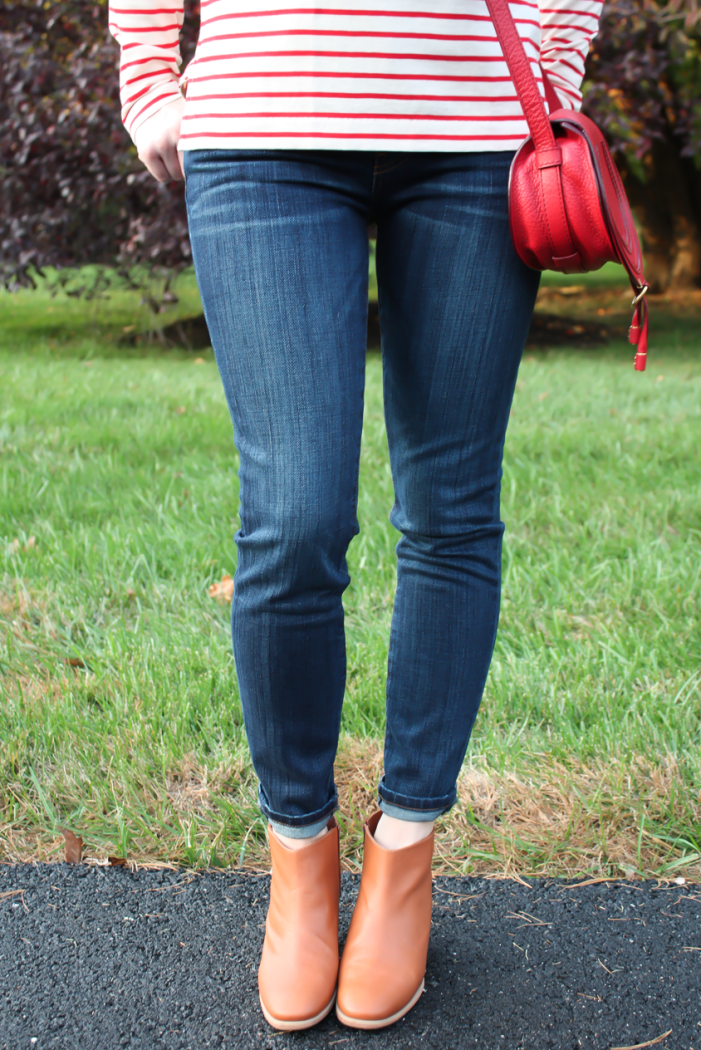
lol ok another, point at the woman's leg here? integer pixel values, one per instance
(280, 248)
(455, 307)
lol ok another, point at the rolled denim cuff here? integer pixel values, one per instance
(307, 832)
(403, 807)
(408, 814)
(303, 827)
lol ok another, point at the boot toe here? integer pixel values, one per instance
(288, 1012)
(368, 998)
(287, 999)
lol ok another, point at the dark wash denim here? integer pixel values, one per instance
(280, 246)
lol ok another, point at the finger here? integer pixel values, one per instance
(155, 165)
(172, 162)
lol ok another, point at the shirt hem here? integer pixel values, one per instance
(262, 142)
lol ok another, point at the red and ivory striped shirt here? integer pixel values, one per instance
(393, 75)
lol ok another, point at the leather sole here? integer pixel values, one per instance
(296, 1026)
(359, 1022)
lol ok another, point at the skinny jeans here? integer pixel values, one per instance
(280, 247)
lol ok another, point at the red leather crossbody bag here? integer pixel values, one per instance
(568, 209)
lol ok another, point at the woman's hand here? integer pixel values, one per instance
(157, 142)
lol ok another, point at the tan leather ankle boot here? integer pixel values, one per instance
(299, 966)
(384, 960)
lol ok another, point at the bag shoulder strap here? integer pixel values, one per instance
(549, 157)
(550, 95)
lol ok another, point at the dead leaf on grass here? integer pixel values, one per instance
(117, 862)
(16, 546)
(74, 846)
(224, 590)
(570, 289)
(75, 661)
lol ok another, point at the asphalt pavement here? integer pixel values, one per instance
(99, 958)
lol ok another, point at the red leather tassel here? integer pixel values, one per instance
(634, 333)
(638, 335)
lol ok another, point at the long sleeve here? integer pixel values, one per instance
(568, 28)
(148, 34)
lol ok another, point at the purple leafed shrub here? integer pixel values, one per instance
(644, 90)
(73, 191)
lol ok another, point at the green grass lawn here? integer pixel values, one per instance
(119, 712)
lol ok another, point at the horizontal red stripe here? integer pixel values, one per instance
(421, 14)
(142, 76)
(285, 115)
(142, 29)
(567, 10)
(571, 45)
(566, 25)
(351, 135)
(151, 102)
(394, 55)
(161, 47)
(387, 14)
(572, 25)
(151, 58)
(348, 13)
(336, 75)
(353, 94)
(152, 11)
(350, 33)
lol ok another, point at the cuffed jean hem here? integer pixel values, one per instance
(298, 827)
(408, 814)
(403, 807)
(307, 832)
